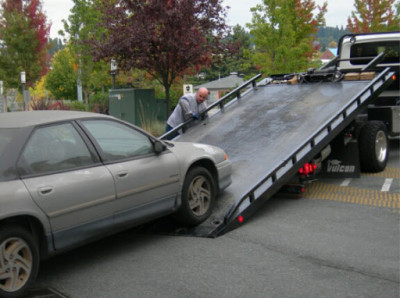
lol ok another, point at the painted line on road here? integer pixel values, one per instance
(386, 185)
(346, 182)
(353, 195)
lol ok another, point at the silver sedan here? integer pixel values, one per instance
(67, 178)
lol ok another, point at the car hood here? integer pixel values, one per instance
(194, 151)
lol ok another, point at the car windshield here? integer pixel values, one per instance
(6, 137)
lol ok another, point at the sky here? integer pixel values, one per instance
(239, 12)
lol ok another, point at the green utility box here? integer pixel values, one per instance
(136, 105)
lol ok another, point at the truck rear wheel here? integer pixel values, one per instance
(374, 147)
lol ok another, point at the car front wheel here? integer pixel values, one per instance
(198, 197)
(19, 260)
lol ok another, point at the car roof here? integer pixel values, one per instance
(32, 118)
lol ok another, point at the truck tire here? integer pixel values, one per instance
(19, 260)
(374, 147)
(198, 197)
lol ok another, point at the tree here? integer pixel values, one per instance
(163, 37)
(234, 60)
(24, 34)
(240, 61)
(374, 16)
(61, 80)
(284, 32)
(82, 25)
(333, 44)
(55, 45)
(327, 35)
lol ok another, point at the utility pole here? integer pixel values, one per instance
(79, 79)
(3, 102)
(113, 71)
(23, 81)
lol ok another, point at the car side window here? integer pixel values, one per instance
(118, 141)
(54, 148)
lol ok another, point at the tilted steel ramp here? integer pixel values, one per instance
(269, 132)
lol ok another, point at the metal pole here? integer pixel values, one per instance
(79, 80)
(3, 102)
(23, 81)
(23, 97)
(113, 71)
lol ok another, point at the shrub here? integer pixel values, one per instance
(150, 123)
(43, 104)
(99, 103)
(76, 105)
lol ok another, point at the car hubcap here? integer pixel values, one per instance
(15, 264)
(199, 196)
(381, 146)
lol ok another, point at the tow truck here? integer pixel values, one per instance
(337, 118)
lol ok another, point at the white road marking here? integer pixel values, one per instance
(346, 182)
(386, 185)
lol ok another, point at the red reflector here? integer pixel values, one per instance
(306, 169)
(394, 77)
(240, 219)
(303, 189)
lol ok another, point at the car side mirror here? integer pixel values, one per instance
(158, 147)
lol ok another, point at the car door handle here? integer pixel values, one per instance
(122, 174)
(45, 190)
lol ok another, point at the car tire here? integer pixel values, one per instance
(19, 260)
(374, 147)
(198, 197)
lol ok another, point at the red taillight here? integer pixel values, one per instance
(307, 169)
(394, 77)
(240, 219)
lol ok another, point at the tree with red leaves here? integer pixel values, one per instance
(38, 23)
(165, 38)
(24, 34)
(374, 16)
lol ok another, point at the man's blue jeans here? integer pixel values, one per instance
(172, 135)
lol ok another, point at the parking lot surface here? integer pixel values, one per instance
(340, 239)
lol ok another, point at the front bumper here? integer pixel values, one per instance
(224, 170)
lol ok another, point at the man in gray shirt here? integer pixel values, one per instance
(189, 106)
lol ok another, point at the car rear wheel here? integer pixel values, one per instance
(198, 197)
(19, 260)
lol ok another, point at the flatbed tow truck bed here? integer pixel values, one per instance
(269, 132)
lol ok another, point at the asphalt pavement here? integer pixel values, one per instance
(340, 239)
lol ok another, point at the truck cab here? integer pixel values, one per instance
(355, 54)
